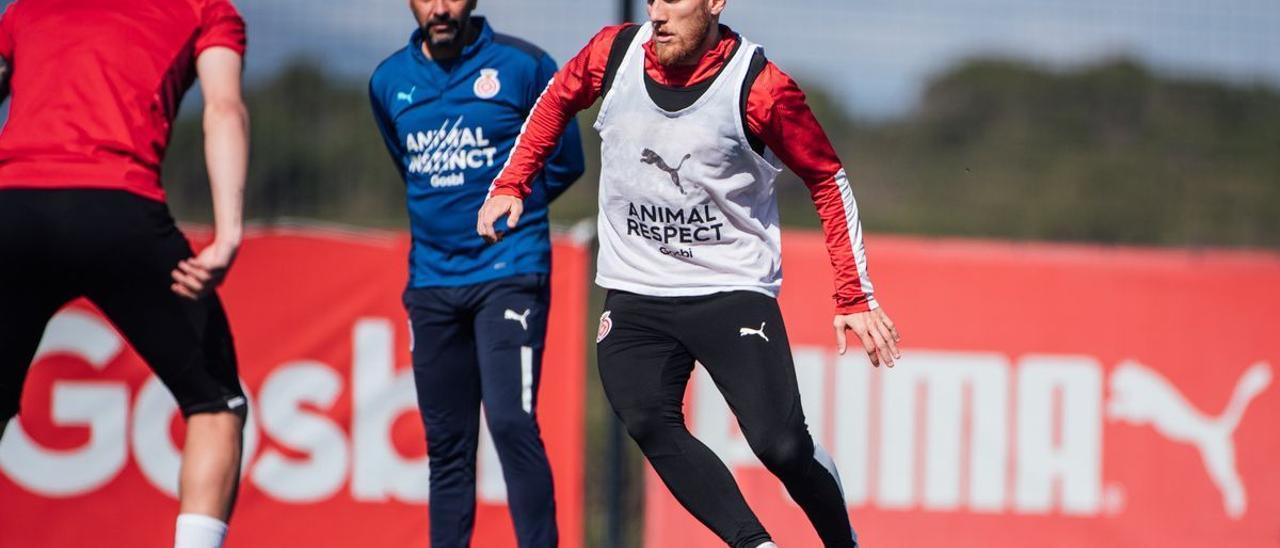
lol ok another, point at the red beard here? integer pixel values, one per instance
(682, 49)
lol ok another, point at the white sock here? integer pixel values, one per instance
(197, 531)
(767, 545)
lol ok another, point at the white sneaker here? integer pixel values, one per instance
(767, 545)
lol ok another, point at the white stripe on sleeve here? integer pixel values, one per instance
(855, 235)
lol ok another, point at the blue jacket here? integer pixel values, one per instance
(449, 127)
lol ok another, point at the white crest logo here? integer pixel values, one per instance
(1140, 395)
(522, 318)
(606, 325)
(487, 85)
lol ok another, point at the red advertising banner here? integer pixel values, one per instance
(1049, 396)
(335, 450)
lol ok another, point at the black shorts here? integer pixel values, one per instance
(118, 250)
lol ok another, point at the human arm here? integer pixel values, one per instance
(566, 163)
(386, 126)
(226, 147)
(574, 88)
(778, 113)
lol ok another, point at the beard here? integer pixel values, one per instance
(442, 38)
(687, 40)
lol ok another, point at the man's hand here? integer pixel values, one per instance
(200, 275)
(876, 331)
(494, 208)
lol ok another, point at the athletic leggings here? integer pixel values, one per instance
(647, 347)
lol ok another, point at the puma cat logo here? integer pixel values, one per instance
(650, 157)
(745, 331)
(1140, 395)
(406, 97)
(522, 318)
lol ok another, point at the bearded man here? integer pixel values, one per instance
(449, 106)
(690, 251)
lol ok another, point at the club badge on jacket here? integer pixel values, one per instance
(487, 84)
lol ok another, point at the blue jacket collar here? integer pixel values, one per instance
(482, 39)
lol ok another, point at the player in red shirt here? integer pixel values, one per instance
(96, 85)
(690, 250)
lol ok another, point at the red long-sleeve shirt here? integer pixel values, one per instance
(776, 112)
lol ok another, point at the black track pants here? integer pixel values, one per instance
(646, 354)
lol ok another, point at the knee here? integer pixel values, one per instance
(449, 440)
(651, 430)
(640, 423)
(787, 453)
(214, 445)
(511, 427)
(218, 424)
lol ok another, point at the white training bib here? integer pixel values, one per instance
(686, 206)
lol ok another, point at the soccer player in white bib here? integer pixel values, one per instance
(691, 119)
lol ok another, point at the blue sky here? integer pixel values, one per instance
(874, 55)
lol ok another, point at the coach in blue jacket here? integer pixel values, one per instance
(450, 106)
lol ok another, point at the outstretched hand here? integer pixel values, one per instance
(876, 331)
(492, 210)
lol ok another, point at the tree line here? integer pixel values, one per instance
(1110, 153)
